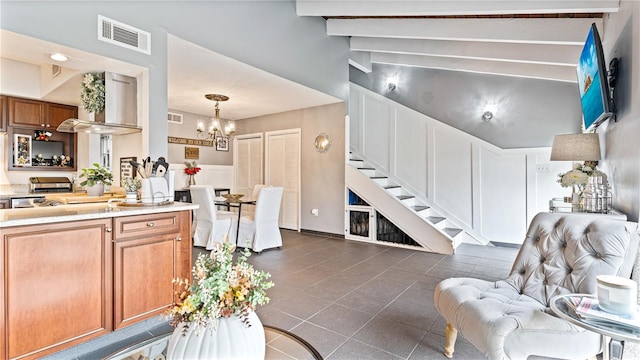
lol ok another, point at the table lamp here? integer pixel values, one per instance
(576, 147)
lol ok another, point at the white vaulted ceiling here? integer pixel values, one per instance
(531, 39)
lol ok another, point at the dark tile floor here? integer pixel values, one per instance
(354, 300)
(350, 300)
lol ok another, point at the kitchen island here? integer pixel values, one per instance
(76, 272)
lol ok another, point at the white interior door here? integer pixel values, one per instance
(283, 169)
(247, 153)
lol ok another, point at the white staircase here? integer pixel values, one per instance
(426, 226)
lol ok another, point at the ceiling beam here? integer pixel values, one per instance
(361, 60)
(563, 55)
(567, 31)
(450, 7)
(535, 71)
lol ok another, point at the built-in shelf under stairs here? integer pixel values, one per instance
(426, 226)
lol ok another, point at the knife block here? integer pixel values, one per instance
(154, 190)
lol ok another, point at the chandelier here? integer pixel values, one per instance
(216, 127)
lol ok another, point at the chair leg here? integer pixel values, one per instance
(451, 334)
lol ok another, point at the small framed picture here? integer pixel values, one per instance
(22, 150)
(126, 169)
(192, 153)
(222, 143)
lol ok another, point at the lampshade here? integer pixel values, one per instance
(576, 147)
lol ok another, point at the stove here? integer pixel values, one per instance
(45, 184)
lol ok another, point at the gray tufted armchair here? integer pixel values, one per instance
(511, 319)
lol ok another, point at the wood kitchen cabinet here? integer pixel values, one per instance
(57, 113)
(65, 283)
(38, 114)
(57, 286)
(3, 113)
(31, 118)
(150, 251)
(5, 204)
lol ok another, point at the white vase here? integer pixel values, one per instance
(131, 197)
(95, 190)
(231, 339)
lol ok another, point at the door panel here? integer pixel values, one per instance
(248, 164)
(283, 168)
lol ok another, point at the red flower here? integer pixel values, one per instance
(191, 171)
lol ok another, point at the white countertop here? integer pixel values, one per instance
(76, 212)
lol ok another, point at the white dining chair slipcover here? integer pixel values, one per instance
(248, 210)
(262, 232)
(210, 224)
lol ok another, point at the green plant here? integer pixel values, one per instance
(220, 288)
(130, 184)
(96, 175)
(92, 93)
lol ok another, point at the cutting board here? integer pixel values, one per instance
(83, 199)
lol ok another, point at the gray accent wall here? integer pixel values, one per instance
(266, 34)
(322, 175)
(619, 140)
(528, 112)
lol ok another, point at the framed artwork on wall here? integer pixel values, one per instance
(22, 150)
(126, 169)
(192, 153)
(222, 143)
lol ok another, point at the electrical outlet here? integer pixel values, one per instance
(543, 168)
(314, 212)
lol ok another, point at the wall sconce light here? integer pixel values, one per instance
(391, 86)
(487, 115)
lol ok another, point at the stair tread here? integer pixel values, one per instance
(392, 186)
(420, 207)
(366, 168)
(378, 177)
(405, 197)
(435, 219)
(452, 231)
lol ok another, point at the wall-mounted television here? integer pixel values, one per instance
(595, 96)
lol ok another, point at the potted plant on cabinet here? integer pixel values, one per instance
(131, 187)
(96, 178)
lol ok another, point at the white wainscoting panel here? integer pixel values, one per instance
(220, 176)
(377, 127)
(452, 188)
(355, 123)
(489, 192)
(503, 195)
(410, 155)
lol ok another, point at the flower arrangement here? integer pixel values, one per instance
(131, 184)
(579, 175)
(96, 175)
(92, 93)
(191, 168)
(220, 288)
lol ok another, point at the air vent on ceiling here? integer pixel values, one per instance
(55, 70)
(174, 118)
(123, 35)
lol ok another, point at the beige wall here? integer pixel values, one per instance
(322, 174)
(208, 155)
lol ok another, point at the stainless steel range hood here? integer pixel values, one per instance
(120, 115)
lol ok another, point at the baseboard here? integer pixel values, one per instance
(322, 233)
(505, 244)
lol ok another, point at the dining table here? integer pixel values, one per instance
(236, 204)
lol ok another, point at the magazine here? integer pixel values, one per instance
(589, 310)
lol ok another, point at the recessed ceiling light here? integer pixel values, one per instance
(58, 57)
